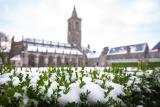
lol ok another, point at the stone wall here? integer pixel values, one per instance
(48, 59)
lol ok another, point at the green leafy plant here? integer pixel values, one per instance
(84, 97)
(106, 93)
(82, 83)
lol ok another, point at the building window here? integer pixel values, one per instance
(69, 26)
(77, 26)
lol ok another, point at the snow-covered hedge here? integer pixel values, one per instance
(41, 87)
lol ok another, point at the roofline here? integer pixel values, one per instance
(146, 44)
(130, 45)
(74, 18)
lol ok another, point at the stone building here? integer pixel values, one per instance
(103, 58)
(34, 52)
(93, 59)
(130, 53)
(154, 54)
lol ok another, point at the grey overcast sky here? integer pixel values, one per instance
(104, 22)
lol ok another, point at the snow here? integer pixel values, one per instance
(117, 90)
(53, 49)
(134, 79)
(87, 79)
(25, 99)
(155, 50)
(42, 89)
(136, 48)
(99, 82)
(15, 81)
(34, 77)
(93, 54)
(95, 90)
(24, 88)
(16, 58)
(130, 69)
(17, 95)
(140, 73)
(53, 77)
(4, 78)
(119, 50)
(110, 76)
(49, 92)
(123, 49)
(54, 85)
(71, 96)
(136, 88)
(148, 73)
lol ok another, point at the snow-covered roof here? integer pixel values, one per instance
(155, 50)
(39, 41)
(53, 49)
(90, 53)
(123, 49)
(16, 58)
(7, 50)
(93, 54)
(157, 46)
(50, 47)
(86, 50)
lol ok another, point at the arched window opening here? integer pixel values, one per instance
(41, 61)
(31, 60)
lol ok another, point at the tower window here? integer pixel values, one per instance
(69, 26)
(77, 26)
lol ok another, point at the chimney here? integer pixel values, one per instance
(128, 50)
(88, 46)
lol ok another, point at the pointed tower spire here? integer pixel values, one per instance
(74, 13)
(74, 29)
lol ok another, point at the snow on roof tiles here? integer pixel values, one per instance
(53, 49)
(38, 41)
(157, 46)
(16, 58)
(123, 49)
(93, 54)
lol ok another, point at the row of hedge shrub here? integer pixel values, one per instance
(136, 64)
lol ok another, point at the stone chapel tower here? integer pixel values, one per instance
(74, 29)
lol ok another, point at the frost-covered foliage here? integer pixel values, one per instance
(59, 86)
(156, 75)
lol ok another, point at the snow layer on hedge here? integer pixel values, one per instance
(15, 81)
(71, 96)
(4, 78)
(96, 92)
(117, 90)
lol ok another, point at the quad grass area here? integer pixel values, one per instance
(134, 64)
(79, 87)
